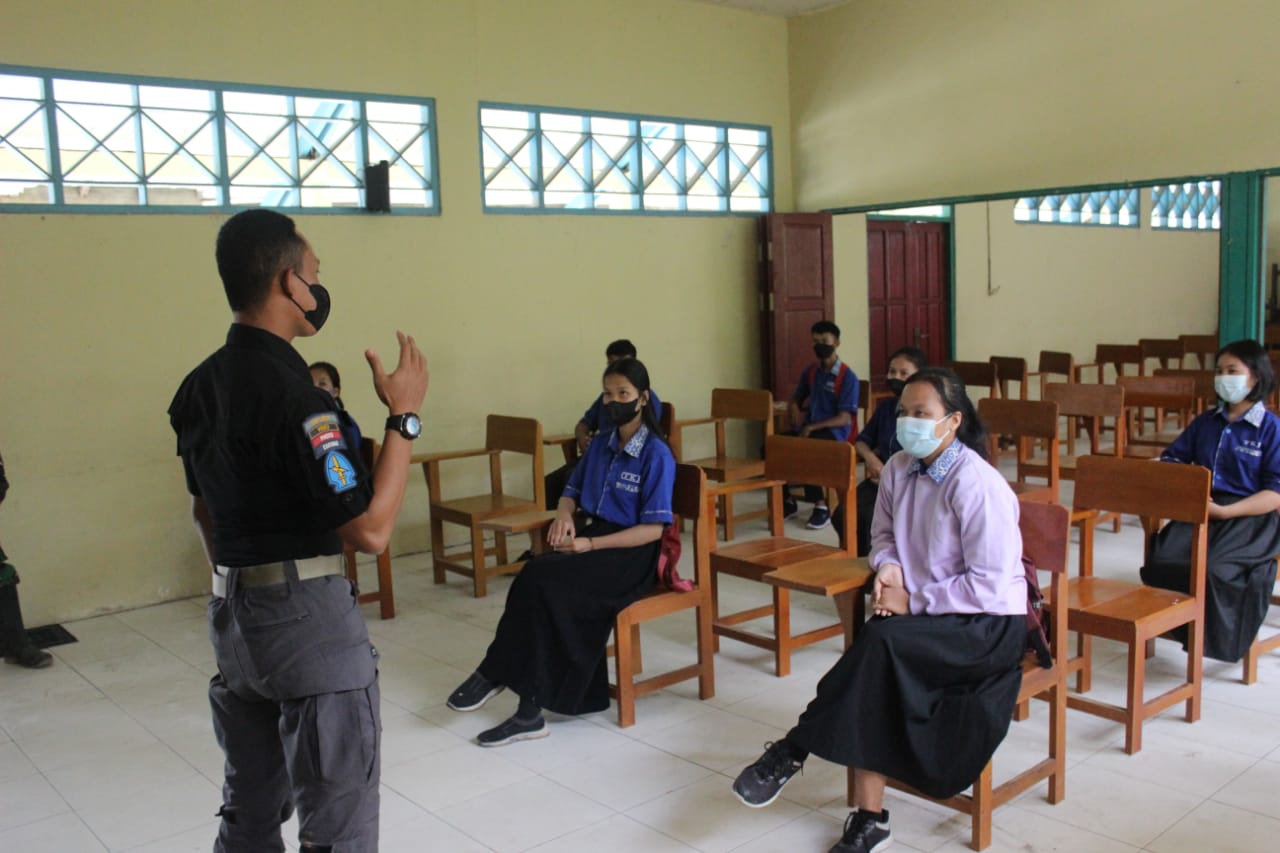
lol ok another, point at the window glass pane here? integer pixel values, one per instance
(1117, 207)
(1193, 206)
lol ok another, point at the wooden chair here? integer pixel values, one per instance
(827, 464)
(750, 406)
(1093, 404)
(502, 433)
(1162, 393)
(1167, 352)
(1259, 648)
(1203, 347)
(976, 375)
(1206, 394)
(689, 501)
(1119, 356)
(1132, 613)
(1055, 364)
(1045, 535)
(1025, 422)
(385, 594)
(1010, 369)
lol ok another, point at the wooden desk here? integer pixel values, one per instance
(844, 579)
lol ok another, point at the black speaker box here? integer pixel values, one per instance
(377, 187)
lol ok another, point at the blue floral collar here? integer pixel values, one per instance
(938, 470)
(635, 445)
(1255, 416)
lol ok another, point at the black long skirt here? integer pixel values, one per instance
(551, 641)
(924, 700)
(1241, 573)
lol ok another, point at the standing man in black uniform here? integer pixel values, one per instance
(276, 490)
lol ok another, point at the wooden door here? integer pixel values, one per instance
(796, 292)
(908, 271)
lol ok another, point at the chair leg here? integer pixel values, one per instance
(1195, 667)
(1022, 711)
(782, 630)
(500, 546)
(706, 652)
(637, 661)
(1058, 743)
(1250, 669)
(1150, 650)
(1133, 709)
(1084, 649)
(715, 609)
(349, 557)
(479, 580)
(437, 550)
(622, 637)
(726, 510)
(386, 594)
(980, 832)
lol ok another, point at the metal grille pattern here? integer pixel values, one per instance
(1193, 206)
(1118, 207)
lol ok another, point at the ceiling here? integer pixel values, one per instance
(781, 8)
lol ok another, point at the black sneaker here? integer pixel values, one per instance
(864, 832)
(473, 693)
(820, 518)
(32, 658)
(513, 730)
(760, 783)
(789, 508)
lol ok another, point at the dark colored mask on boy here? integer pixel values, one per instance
(823, 351)
(896, 386)
(621, 413)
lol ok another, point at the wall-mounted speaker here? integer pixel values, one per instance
(377, 187)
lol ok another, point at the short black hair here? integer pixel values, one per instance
(253, 247)
(1255, 357)
(329, 369)
(823, 327)
(621, 348)
(912, 354)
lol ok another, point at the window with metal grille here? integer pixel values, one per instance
(107, 142)
(1193, 206)
(1118, 207)
(549, 160)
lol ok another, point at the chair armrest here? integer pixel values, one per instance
(554, 440)
(442, 455)
(1080, 368)
(681, 424)
(522, 522)
(737, 486)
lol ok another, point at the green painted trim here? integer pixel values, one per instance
(1240, 286)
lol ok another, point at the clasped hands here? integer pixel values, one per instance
(889, 593)
(561, 538)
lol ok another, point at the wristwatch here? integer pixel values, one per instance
(408, 425)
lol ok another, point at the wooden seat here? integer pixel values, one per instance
(1010, 369)
(689, 501)
(728, 404)
(976, 375)
(826, 464)
(385, 594)
(1132, 613)
(1025, 422)
(1259, 648)
(1119, 356)
(1162, 393)
(502, 433)
(1203, 347)
(1045, 534)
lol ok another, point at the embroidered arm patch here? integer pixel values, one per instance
(324, 432)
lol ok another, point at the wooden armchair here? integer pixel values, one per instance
(1119, 356)
(1093, 404)
(1025, 422)
(976, 375)
(751, 406)
(1203, 347)
(690, 502)
(1162, 393)
(1055, 364)
(502, 433)
(1010, 369)
(1167, 352)
(385, 594)
(1044, 541)
(1132, 613)
(827, 464)
(1206, 394)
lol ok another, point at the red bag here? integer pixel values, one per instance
(668, 557)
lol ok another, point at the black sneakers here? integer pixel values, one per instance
(513, 730)
(473, 693)
(760, 783)
(864, 832)
(789, 507)
(820, 518)
(31, 658)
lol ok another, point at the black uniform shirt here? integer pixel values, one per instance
(264, 448)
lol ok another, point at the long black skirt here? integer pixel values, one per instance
(924, 700)
(551, 641)
(1241, 573)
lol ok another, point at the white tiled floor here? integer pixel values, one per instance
(111, 749)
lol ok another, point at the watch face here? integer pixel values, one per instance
(411, 426)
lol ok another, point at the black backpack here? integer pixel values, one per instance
(1037, 618)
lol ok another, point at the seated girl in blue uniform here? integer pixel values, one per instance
(1239, 442)
(549, 648)
(926, 692)
(325, 377)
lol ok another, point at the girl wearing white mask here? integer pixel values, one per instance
(926, 692)
(1240, 443)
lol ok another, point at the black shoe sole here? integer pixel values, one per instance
(478, 705)
(536, 734)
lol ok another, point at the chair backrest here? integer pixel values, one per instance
(1203, 379)
(689, 501)
(974, 374)
(1009, 368)
(1170, 392)
(1168, 351)
(667, 420)
(515, 435)
(1020, 418)
(1118, 355)
(1142, 487)
(1205, 347)
(1063, 363)
(1046, 533)
(1084, 400)
(749, 404)
(815, 462)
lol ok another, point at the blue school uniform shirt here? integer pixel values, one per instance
(822, 398)
(881, 431)
(598, 419)
(626, 485)
(1243, 455)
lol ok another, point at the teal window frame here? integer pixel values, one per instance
(1187, 206)
(334, 131)
(1116, 203)
(613, 157)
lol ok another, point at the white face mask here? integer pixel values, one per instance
(1232, 387)
(916, 435)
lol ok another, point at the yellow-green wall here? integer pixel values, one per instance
(894, 100)
(103, 315)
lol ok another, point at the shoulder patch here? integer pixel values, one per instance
(324, 431)
(339, 471)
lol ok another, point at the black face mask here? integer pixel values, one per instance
(823, 351)
(622, 413)
(316, 316)
(896, 386)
